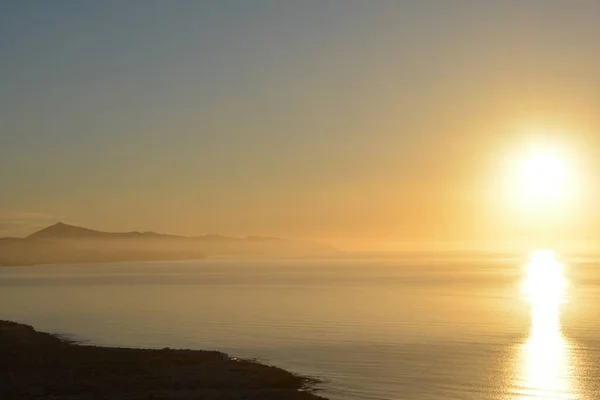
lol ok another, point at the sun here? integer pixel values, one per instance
(544, 179)
(544, 176)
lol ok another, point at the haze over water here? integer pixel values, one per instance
(469, 327)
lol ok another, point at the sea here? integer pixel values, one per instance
(370, 327)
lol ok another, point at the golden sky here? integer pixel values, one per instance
(361, 124)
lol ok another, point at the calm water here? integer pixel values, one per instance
(370, 328)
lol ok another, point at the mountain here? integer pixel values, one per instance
(65, 231)
(62, 243)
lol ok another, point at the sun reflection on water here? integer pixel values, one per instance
(546, 355)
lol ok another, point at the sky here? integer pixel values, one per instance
(364, 124)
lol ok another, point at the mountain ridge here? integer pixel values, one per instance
(63, 243)
(60, 230)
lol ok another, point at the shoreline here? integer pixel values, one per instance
(39, 365)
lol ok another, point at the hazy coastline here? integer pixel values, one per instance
(67, 244)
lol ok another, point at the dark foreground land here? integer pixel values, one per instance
(36, 365)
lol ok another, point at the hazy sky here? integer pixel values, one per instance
(344, 121)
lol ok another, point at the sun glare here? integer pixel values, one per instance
(546, 356)
(545, 281)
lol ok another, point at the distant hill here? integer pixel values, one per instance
(65, 231)
(62, 243)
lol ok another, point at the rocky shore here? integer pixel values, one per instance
(37, 365)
